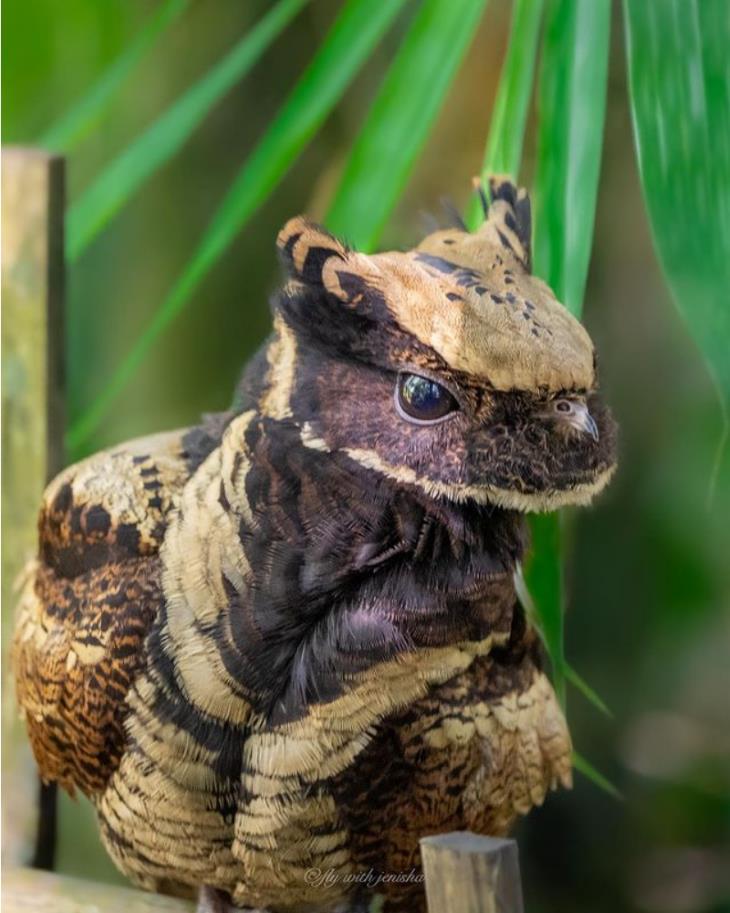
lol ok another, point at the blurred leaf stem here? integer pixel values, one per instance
(70, 129)
(580, 684)
(503, 152)
(589, 771)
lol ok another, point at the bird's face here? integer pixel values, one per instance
(448, 367)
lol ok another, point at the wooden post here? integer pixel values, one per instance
(32, 424)
(467, 873)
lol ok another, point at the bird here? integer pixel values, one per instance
(277, 648)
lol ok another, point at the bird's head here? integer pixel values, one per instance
(449, 367)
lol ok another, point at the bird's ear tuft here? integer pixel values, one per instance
(511, 214)
(304, 249)
(314, 257)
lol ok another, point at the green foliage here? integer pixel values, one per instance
(552, 578)
(396, 128)
(571, 109)
(680, 99)
(152, 149)
(66, 133)
(351, 39)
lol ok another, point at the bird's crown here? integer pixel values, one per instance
(470, 297)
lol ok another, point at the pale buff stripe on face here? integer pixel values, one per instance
(536, 502)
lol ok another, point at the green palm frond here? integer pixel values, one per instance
(503, 152)
(398, 123)
(352, 37)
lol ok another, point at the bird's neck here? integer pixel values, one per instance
(308, 570)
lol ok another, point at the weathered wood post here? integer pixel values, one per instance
(32, 443)
(32, 424)
(31, 891)
(467, 873)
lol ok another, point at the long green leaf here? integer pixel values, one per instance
(351, 39)
(679, 78)
(588, 770)
(528, 604)
(585, 689)
(544, 576)
(503, 152)
(399, 120)
(150, 151)
(571, 106)
(66, 133)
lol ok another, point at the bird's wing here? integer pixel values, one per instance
(87, 602)
(503, 724)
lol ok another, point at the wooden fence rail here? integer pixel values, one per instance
(464, 873)
(32, 891)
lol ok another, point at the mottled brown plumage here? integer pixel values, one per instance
(287, 641)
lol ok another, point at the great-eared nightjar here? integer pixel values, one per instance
(287, 640)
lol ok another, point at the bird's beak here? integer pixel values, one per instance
(581, 419)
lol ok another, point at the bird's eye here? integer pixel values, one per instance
(421, 400)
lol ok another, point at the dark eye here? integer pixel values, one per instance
(421, 400)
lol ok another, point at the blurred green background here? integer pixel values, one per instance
(648, 572)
